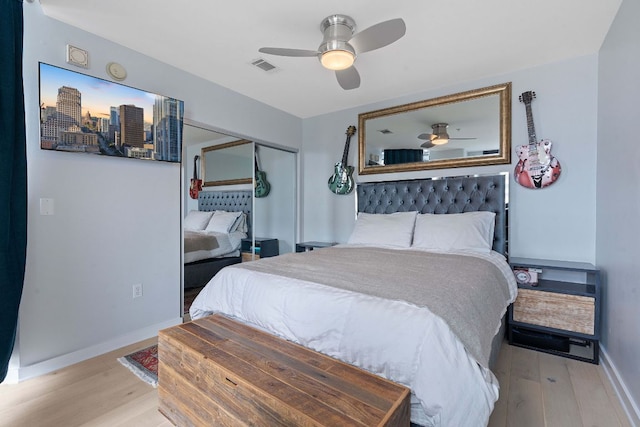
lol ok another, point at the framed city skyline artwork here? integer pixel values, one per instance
(84, 114)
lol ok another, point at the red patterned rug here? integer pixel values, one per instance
(144, 364)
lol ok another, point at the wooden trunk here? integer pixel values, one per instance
(555, 310)
(218, 372)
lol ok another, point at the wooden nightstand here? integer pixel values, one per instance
(264, 248)
(560, 314)
(309, 246)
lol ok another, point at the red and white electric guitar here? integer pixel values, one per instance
(537, 168)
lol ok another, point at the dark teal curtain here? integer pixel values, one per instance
(13, 176)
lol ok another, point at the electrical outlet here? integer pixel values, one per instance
(137, 290)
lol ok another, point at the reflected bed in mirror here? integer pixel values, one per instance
(228, 164)
(470, 128)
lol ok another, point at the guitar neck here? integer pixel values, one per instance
(350, 131)
(345, 154)
(530, 127)
(195, 167)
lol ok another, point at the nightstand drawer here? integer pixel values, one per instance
(554, 310)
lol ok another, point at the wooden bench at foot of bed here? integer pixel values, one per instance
(216, 371)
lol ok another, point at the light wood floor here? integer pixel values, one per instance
(537, 390)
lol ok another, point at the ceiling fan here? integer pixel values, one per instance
(340, 47)
(438, 137)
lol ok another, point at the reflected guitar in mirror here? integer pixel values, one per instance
(261, 185)
(341, 182)
(537, 168)
(196, 184)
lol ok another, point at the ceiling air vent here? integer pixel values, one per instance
(263, 65)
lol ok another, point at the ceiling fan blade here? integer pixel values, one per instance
(427, 136)
(378, 35)
(349, 78)
(288, 52)
(427, 144)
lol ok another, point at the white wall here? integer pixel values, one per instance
(117, 221)
(618, 203)
(557, 222)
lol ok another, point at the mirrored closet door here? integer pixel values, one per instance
(226, 163)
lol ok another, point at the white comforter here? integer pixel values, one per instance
(449, 388)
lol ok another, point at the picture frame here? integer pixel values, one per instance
(80, 113)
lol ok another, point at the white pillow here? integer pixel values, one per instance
(197, 220)
(445, 232)
(222, 221)
(394, 229)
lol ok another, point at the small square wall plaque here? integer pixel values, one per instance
(78, 57)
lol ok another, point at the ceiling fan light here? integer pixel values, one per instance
(439, 141)
(337, 59)
(440, 134)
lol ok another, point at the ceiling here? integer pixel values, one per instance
(447, 42)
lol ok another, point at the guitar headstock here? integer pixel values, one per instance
(527, 97)
(351, 130)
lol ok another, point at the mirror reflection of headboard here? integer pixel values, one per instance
(230, 201)
(441, 196)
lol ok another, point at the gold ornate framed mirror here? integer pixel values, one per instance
(464, 129)
(227, 164)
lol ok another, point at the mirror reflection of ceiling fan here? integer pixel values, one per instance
(438, 137)
(340, 47)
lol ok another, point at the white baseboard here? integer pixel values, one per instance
(627, 402)
(25, 372)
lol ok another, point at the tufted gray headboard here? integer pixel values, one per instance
(231, 201)
(441, 196)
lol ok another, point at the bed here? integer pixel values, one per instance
(390, 300)
(206, 253)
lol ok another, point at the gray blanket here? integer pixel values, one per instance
(470, 294)
(194, 241)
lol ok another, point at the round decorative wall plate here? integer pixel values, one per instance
(116, 71)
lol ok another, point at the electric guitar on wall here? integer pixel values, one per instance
(196, 184)
(537, 168)
(262, 186)
(341, 182)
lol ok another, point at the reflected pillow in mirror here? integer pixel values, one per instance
(222, 221)
(446, 232)
(197, 220)
(240, 224)
(394, 229)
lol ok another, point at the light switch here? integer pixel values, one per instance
(46, 207)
